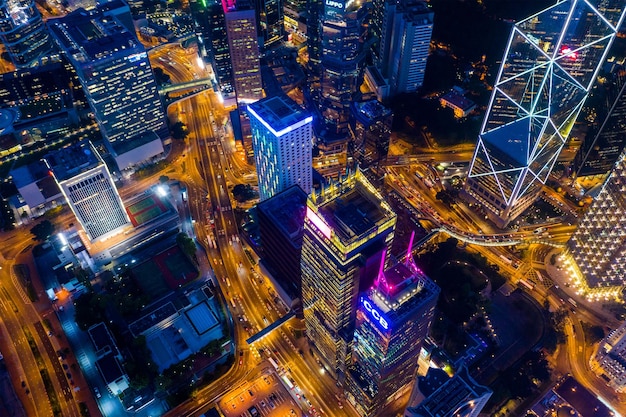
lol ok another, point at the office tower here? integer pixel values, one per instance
(213, 44)
(281, 227)
(244, 49)
(438, 395)
(605, 140)
(598, 246)
(86, 183)
(610, 359)
(282, 138)
(115, 73)
(23, 33)
(271, 25)
(347, 228)
(371, 129)
(405, 44)
(550, 63)
(337, 55)
(392, 320)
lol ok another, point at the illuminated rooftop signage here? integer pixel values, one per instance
(374, 313)
(319, 223)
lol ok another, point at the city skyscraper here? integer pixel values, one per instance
(598, 246)
(86, 183)
(117, 78)
(392, 320)
(244, 49)
(550, 63)
(347, 228)
(405, 44)
(606, 138)
(23, 32)
(271, 25)
(282, 137)
(337, 55)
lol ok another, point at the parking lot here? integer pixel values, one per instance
(266, 396)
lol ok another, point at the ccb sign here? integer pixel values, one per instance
(378, 318)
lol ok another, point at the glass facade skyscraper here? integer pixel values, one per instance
(337, 53)
(392, 320)
(87, 185)
(282, 135)
(347, 228)
(23, 32)
(606, 138)
(243, 43)
(115, 73)
(550, 63)
(598, 246)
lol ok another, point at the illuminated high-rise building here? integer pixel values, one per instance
(86, 183)
(23, 32)
(271, 25)
(337, 54)
(598, 246)
(405, 44)
(282, 135)
(117, 78)
(347, 228)
(392, 320)
(550, 63)
(243, 43)
(606, 137)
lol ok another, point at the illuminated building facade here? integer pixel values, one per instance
(550, 63)
(392, 320)
(405, 44)
(337, 53)
(598, 246)
(371, 127)
(282, 135)
(271, 22)
(610, 359)
(243, 43)
(347, 229)
(116, 75)
(23, 32)
(439, 395)
(606, 138)
(86, 183)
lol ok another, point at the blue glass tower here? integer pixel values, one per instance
(549, 66)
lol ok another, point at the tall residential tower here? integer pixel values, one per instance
(282, 137)
(550, 63)
(348, 226)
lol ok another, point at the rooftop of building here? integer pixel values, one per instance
(371, 110)
(88, 36)
(286, 209)
(403, 288)
(419, 11)
(100, 336)
(279, 114)
(72, 160)
(110, 368)
(121, 147)
(446, 396)
(456, 99)
(583, 401)
(351, 206)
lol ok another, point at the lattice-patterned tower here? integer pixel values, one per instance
(550, 63)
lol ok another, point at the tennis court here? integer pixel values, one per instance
(176, 268)
(150, 279)
(146, 209)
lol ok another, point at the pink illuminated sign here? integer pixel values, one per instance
(319, 223)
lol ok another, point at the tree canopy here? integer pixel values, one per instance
(43, 230)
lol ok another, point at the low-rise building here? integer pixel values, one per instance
(610, 359)
(461, 105)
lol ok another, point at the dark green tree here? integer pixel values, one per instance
(179, 130)
(43, 230)
(186, 244)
